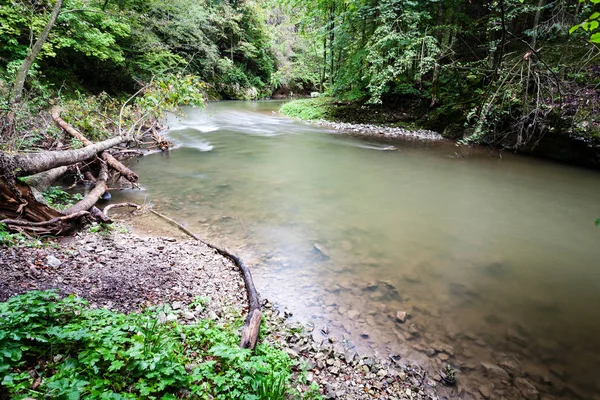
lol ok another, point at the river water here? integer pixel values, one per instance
(495, 259)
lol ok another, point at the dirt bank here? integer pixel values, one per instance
(129, 271)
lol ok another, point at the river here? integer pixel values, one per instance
(496, 260)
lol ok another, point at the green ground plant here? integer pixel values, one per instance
(53, 347)
(17, 239)
(59, 199)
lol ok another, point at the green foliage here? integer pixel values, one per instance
(102, 228)
(17, 239)
(71, 351)
(9, 239)
(306, 109)
(591, 24)
(59, 199)
(108, 46)
(270, 387)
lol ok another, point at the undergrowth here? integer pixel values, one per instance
(53, 347)
(306, 109)
(9, 239)
(59, 199)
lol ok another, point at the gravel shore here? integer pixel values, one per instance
(381, 131)
(127, 272)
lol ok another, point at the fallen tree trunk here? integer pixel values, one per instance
(251, 328)
(107, 157)
(43, 180)
(32, 163)
(94, 195)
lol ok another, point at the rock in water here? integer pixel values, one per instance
(106, 196)
(527, 389)
(321, 250)
(494, 371)
(401, 316)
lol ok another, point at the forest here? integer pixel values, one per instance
(505, 73)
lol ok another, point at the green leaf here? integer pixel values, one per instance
(595, 38)
(597, 222)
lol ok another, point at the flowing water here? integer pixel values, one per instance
(496, 259)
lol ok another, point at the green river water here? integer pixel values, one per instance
(496, 259)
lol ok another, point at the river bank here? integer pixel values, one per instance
(412, 119)
(126, 272)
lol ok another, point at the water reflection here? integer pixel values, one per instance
(493, 260)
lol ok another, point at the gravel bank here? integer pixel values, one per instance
(381, 131)
(127, 272)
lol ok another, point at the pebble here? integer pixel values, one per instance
(53, 261)
(401, 316)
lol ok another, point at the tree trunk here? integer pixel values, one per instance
(37, 162)
(331, 40)
(43, 180)
(19, 202)
(536, 22)
(324, 62)
(17, 90)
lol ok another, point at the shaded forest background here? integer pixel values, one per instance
(510, 73)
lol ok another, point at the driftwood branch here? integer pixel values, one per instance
(54, 226)
(251, 328)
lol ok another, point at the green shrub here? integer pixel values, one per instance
(60, 348)
(306, 109)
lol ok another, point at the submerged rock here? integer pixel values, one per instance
(401, 316)
(527, 389)
(494, 371)
(321, 250)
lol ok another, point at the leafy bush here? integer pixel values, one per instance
(60, 348)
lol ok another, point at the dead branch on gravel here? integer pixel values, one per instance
(251, 328)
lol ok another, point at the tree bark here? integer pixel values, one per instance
(20, 203)
(43, 180)
(37, 162)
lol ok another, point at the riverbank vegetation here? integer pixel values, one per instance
(516, 74)
(69, 350)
